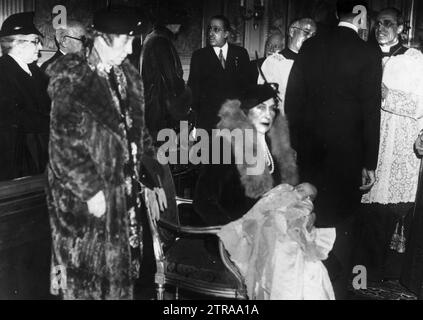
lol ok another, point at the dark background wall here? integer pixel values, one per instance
(277, 16)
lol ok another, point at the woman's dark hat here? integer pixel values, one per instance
(19, 23)
(259, 93)
(118, 20)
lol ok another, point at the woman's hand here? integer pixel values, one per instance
(97, 205)
(161, 198)
(156, 202)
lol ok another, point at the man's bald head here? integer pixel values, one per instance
(69, 39)
(274, 43)
(299, 31)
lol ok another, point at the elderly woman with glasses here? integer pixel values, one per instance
(97, 139)
(25, 105)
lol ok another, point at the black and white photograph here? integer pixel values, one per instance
(225, 152)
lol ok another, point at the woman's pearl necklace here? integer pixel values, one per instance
(269, 160)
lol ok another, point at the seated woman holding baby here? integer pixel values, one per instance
(268, 223)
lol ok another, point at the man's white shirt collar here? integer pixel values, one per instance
(21, 64)
(224, 51)
(348, 25)
(387, 48)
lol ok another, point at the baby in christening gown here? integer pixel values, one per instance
(277, 249)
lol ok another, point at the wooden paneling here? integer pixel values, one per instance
(9, 7)
(24, 240)
(79, 10)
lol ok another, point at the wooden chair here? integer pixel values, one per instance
(189, 256)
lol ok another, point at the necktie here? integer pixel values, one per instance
(222, 59)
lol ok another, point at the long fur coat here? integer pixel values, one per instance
(88, 150)
(225, 192)
(167, 98)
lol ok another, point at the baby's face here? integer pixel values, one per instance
(306, 190)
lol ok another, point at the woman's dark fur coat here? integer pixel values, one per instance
(225, 192)
(87, 154)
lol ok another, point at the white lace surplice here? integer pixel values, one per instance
(401, 121)
(278, 258)
(276, 68)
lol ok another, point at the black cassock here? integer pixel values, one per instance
(412, 275)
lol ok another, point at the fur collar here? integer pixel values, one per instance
(232, 117)
(79, 81)
(90, 91)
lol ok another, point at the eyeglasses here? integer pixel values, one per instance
(306, 32)
(82, 39)
(385, 23)
(214, 29)
(35, 42)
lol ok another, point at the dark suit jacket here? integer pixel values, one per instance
(212, 85)
(333, 105)
(24, 120)
(56, 56)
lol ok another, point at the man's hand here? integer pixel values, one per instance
(368, 179)
(156, 201)
(97, 205)
(419, 145)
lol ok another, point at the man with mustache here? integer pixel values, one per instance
(387, 206)
(218, 72)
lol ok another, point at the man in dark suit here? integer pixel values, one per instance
(218, 72)
(333, 104)
(68, 40)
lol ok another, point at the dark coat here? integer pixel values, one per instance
(167, 99)
(254, 65)
(88, 149)
(333, 103)
(47, 63)
(211, 85)
(24, 120)
(225, 192)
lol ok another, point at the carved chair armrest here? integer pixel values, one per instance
(188, 230)
(183, 201)
(224, 255)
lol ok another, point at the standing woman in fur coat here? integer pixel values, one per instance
(225, 192)
(97, 139)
